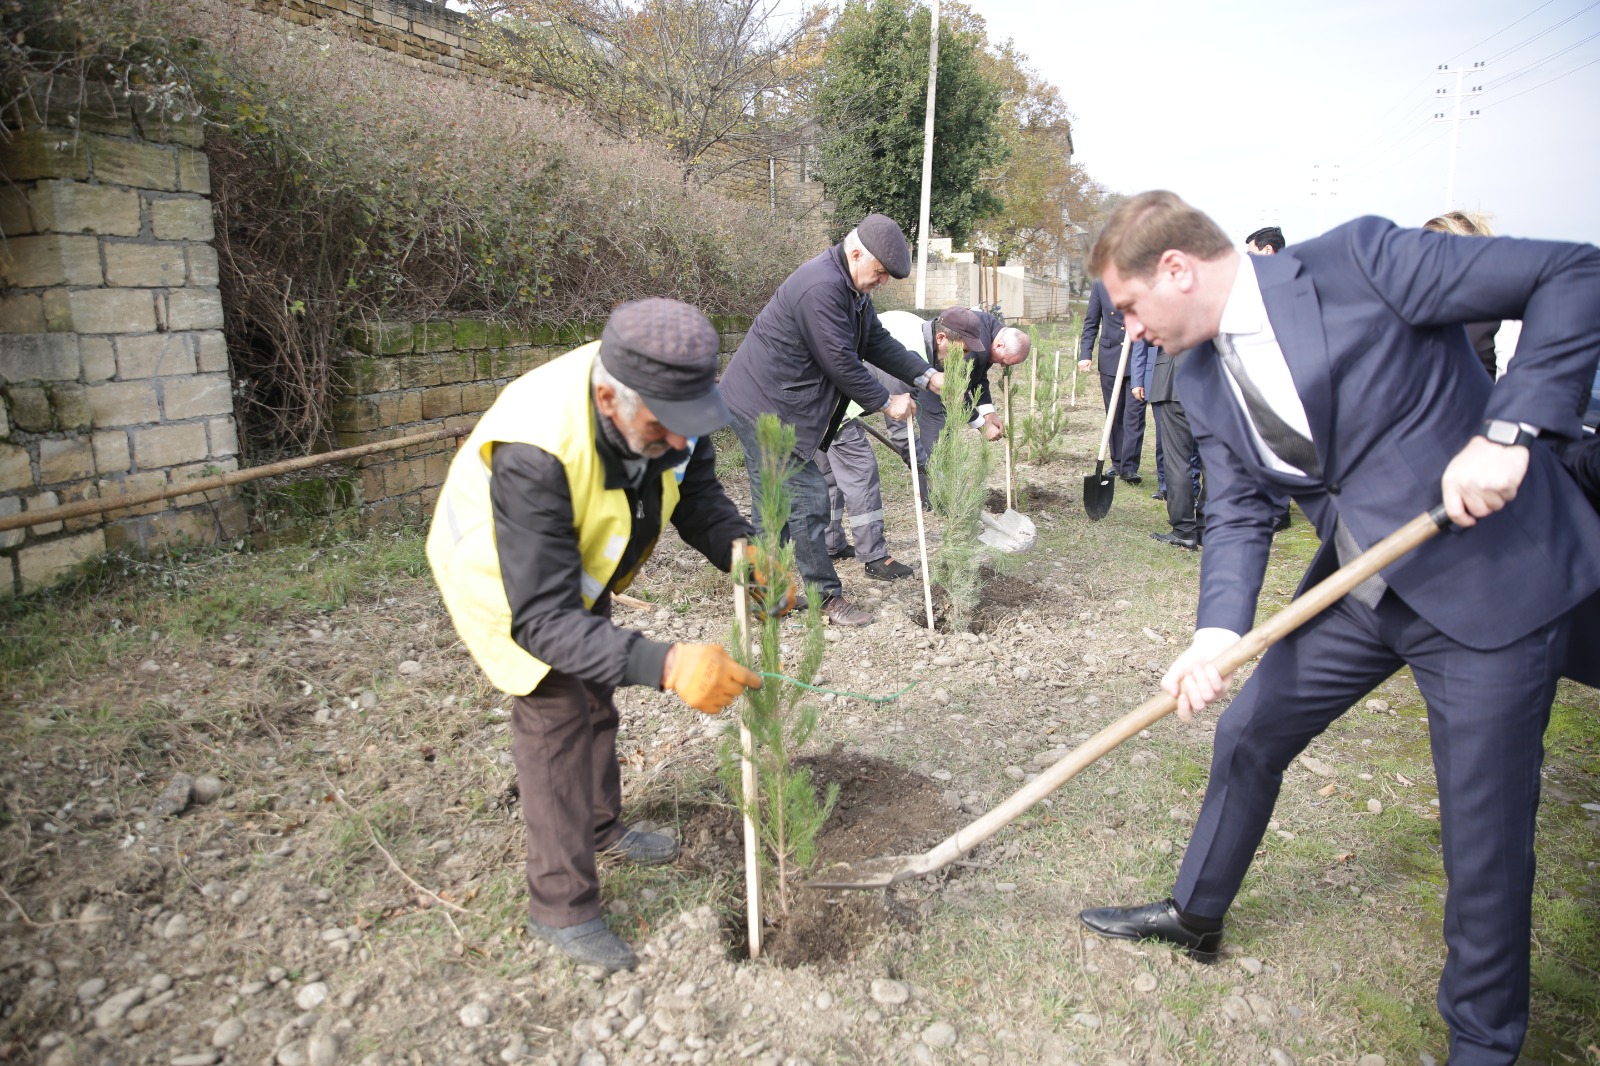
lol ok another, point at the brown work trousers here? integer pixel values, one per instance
(564, 742)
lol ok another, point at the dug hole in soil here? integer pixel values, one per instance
(882, 809)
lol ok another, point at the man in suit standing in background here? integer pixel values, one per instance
(1339, 372)
(1103, 330)
(1186, 496)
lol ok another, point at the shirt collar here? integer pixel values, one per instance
(1245, 312)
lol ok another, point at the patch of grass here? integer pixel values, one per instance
(121, 607)
(1392, 1021)
(1574, 735)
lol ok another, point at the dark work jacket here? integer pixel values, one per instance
(1104, 321)
(978, 381)
(802, 358)
(540, 565)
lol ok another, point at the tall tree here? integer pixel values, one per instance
(870, 102)
(717, 81)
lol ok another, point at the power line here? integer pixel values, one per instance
(1502, 54)
(1498, 32)
(1500, 82)
(1541, 85)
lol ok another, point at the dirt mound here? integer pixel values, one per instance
(882, 809)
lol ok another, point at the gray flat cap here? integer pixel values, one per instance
(882, 236)
(666, 350)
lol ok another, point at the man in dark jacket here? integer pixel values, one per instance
(1185, 491)
(802, 360)
(1103, 331)
(988, 341)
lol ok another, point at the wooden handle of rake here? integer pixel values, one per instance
(1403, 540)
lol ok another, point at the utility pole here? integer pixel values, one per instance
(1324, 191)
(927, 164)
(1476, 70)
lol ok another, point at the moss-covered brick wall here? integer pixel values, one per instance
(113, 371)
(401, 379)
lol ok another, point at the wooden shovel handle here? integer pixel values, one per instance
(1403, 540)
(1113, 408)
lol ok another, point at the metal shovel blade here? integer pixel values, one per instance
(1098, 488)
(881, 872)
(1011, 533)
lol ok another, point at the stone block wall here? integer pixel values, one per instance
(113, 370)
(402, 379)
(419, 33)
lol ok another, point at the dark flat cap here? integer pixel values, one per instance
(881, 235)
(962, 323)
(666, 351)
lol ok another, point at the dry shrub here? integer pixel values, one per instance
(349, 186)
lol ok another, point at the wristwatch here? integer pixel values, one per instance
(1500, 431)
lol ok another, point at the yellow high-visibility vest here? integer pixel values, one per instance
(549, 407)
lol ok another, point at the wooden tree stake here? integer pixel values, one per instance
(747, 779)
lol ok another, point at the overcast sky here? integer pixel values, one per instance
(1232, 103)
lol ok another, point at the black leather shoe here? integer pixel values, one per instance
(846, 552)
(1154, 921)
(1159, 494)
(888, 569)
(1176, 541)
(1281, 523)
(1132, 479)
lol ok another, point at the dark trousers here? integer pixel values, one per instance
(564, 743)
(809, 512)
(1487, 712)
(1127, 431)
(1186, 494)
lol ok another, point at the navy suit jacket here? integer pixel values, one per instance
(1103, 320)
(1369, 319)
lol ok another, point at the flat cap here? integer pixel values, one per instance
(882, 236)
(963, 324)
(666, 351)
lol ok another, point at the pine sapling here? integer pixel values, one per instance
(1045, 427)
(958, 469)
(788, 813)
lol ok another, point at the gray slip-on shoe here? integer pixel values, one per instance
(588, 944)
(646, 849)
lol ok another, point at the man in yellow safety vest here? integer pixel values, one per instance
(553, 504)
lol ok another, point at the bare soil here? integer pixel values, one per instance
(355, 892)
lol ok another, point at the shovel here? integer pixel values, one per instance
(890, 869)
(1098, 487)
(1011, 532)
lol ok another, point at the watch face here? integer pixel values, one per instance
(1501, 432)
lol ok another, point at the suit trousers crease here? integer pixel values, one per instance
(564, 745)
(1127, 429)
(1487, 712)
(1184, 505)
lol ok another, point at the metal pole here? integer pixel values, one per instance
(927, 165)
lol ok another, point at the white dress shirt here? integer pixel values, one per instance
(1244, 321)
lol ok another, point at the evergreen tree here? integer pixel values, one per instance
(789, 814)
(871, 101)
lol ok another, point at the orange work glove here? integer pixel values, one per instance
(758, 586)
(707, 677)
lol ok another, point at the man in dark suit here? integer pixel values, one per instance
(1339, 372)
(1103, 330)
(1185, 490)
